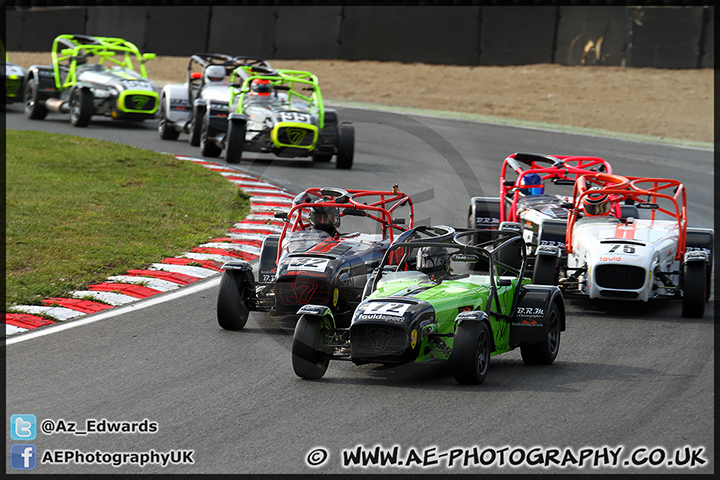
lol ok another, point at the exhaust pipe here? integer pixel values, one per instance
(56, 105)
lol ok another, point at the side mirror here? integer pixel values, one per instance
(148, 56)
(398, 221)
(503, 282)
(281, 215)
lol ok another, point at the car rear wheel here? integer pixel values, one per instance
(545, 271)
(165, 131)
(81, 107)
(232, 309)
(207, 146)
(471, 353)
(545, 352)
(307, 360)
(235, 141)
(33, 108)
(694, 289)
(346, 146)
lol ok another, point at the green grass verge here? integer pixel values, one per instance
(79, 210)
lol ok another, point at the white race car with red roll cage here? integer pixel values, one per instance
(618, 258)
(183, 106)
(310, 261)
(534, 201)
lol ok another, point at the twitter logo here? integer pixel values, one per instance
(23, 427)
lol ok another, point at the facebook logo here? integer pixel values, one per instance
(22, 457)
(23, 427)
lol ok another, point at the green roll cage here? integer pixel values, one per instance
(286, 79)
(113, 50)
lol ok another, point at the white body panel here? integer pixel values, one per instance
(621, 250)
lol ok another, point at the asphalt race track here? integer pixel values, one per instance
(629, 376)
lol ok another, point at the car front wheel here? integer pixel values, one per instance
(81, 107)
(694, 289)
(307, 360)
(471, 353)
(232, 308)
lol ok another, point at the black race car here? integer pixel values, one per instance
(310, 261)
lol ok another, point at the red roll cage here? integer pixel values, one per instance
(621, 188)
(549, 167)
(349, 203)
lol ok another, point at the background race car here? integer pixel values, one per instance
(183, 106)
(279, 113)
(310, 261)
(631, 258)
(14, 77)
(536, 194)
(436, 309)
(115, 85)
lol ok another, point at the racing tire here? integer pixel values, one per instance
(471, 353)
(195, 126)
(232, 311)
(694, 289)
(164, 130)
(345, 146)
(81, 107)
(545, 352)
(235, 142)
(545, 271)
(307, 360)
(34, 110)
(207, 146)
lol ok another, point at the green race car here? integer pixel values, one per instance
(454, 297)
(92, 76)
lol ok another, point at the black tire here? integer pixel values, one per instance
(235, 142)
(510, 256)
(34, 109)
(307, 360)
(232, 311)
(694, 289)
(81, 107)
(207, 146)
(545, 352)
(471, 353)
(196, 126)
(345, 147)
(165, 131)
(322, 157)
(545, 271)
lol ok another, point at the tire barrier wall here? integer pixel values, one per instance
(663, 37)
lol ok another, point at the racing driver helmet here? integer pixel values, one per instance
(325, 219)
(260, 87)
(533, 179)
(214, 75)
(433, 261)
(596, 203)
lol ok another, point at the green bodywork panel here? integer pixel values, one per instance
(449, 298)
